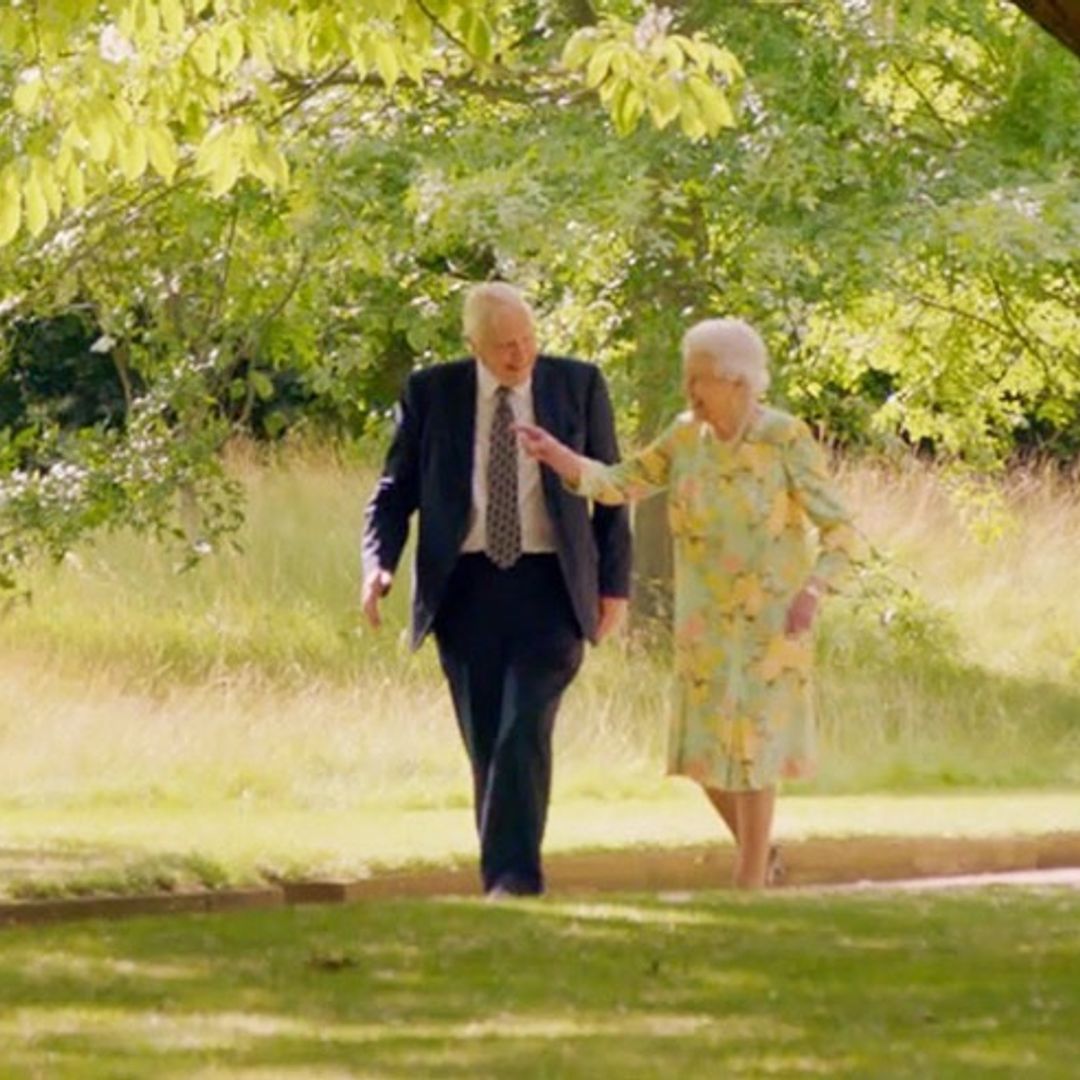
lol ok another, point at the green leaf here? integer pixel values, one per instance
(75, 183)
(599, 64)
(664, 101)
(100, 138)
(224, 177)
(690, 120)
(674, 55)
(37, 211)
(10, 206)
(27, 96)
(725, 61)
(43, 173)
(386, 61)
(172, 16)
(204, 54)
(267, 163)
(274, 424)
(161, 150)
(132, 154)
(476, 32)
(627, 107)
(715, 110)
(578, 48)
(210, 153)
(261, 384)
(230, 48)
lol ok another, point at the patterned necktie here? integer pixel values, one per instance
(503, 520)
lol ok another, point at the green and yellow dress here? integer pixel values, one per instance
(742, 515)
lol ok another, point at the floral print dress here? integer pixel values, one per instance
(742, 515)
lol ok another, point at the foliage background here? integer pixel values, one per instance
(260, 216)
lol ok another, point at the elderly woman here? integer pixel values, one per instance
(745, 483)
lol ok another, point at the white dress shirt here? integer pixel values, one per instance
(537, 533)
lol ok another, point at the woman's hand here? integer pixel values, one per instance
(803, 610)
(546, 449)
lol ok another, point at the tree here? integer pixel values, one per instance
(149, 169)
(895, 209)
(104, 93)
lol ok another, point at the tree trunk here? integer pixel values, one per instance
(1058, 17)
(653, 560)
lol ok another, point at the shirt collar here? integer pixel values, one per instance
(487, 384)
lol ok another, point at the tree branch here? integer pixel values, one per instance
(1060, 18)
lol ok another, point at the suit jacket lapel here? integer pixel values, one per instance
(456, 421)
(546, 413)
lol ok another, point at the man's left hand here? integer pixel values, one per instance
(612, 615)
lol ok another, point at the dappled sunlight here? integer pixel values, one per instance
(768, 1063)
(736, 985)
(724, 912)
(54, 964)
(984, 1056)
(632, 914)
(162, 1031)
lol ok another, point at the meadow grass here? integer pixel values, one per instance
(973, 984)
(251, 677)
(195, 706)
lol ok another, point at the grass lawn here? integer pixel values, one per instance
(974, 984)
(79, 849)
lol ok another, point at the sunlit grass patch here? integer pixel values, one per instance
(634, 986)
(57, 851)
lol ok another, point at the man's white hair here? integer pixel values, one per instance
(733, 347)
(482, 300)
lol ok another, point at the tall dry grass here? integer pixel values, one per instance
(251, 677)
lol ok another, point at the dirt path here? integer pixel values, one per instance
(857, 863)
(1067, 877)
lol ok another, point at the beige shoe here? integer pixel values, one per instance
(775, 869)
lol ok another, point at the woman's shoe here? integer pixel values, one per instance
(775, 870)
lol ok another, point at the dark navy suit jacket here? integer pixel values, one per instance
(429, 468)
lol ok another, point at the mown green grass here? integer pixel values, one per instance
(967, 985)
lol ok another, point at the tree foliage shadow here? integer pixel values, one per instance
(637, 986)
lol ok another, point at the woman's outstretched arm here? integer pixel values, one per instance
(641, 474)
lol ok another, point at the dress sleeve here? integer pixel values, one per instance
(636, 477)
(840, 543)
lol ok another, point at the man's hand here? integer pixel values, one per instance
(800, 616)
(376, 586)
(612, 615)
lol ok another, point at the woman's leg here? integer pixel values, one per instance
(724, 804)
(754, 818)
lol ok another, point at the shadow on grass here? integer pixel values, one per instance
(709, 985)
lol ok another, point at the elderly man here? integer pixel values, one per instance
(512, 571)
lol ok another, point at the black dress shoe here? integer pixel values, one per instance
(511, 887)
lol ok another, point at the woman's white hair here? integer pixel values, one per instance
(734, 349)
(482, 300)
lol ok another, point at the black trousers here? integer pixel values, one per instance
(509, 645)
